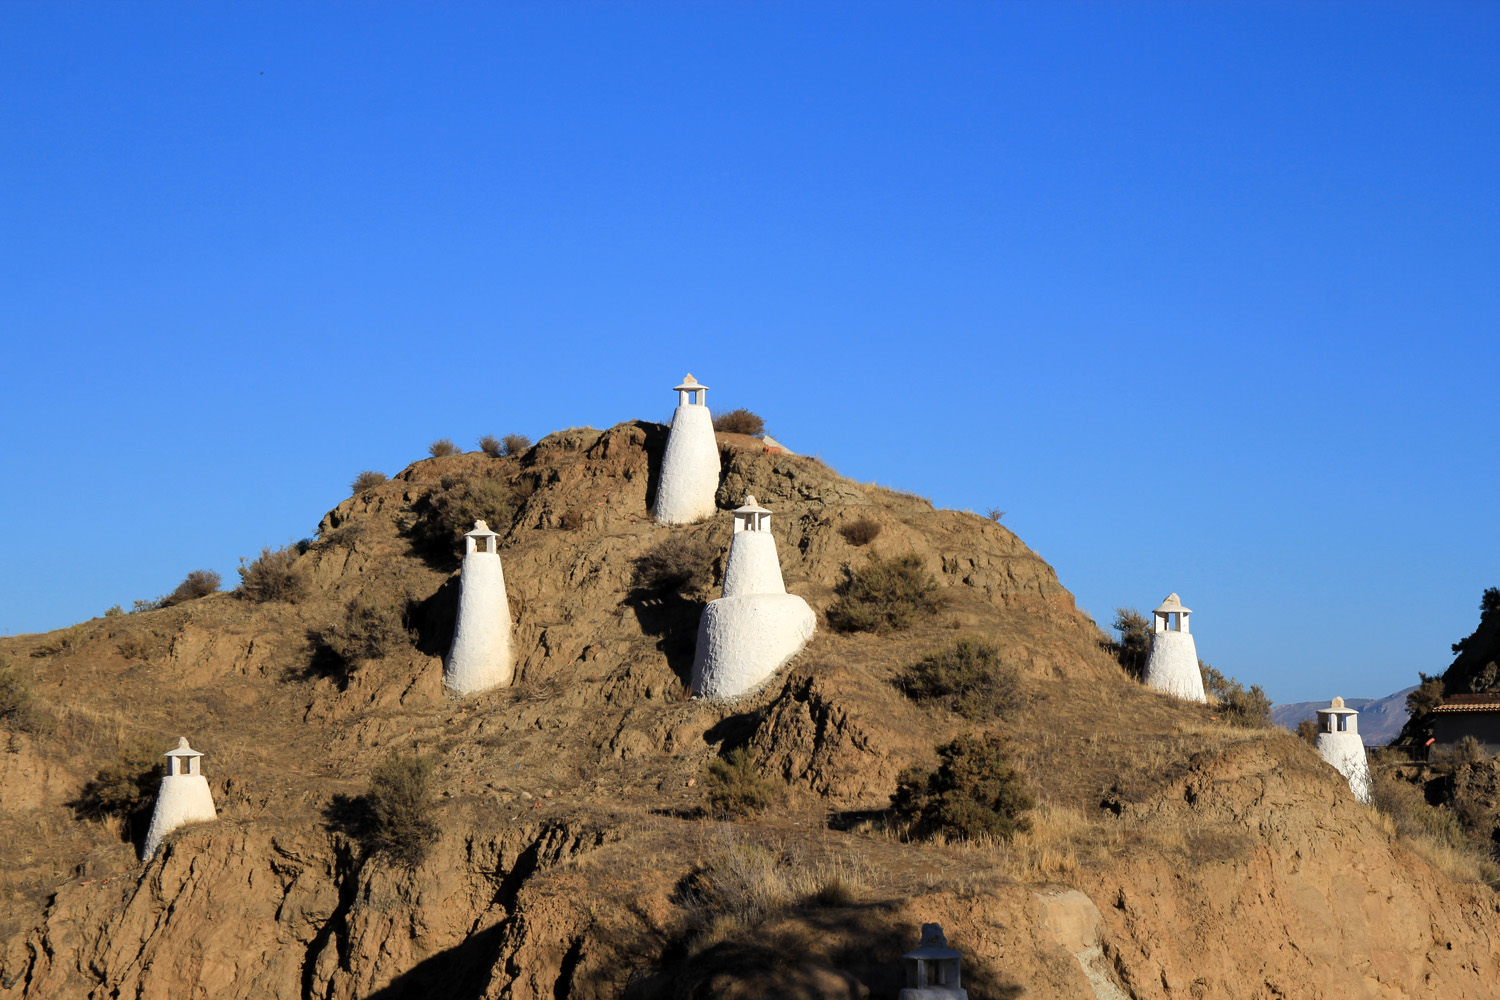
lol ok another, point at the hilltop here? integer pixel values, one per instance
(1172, 854)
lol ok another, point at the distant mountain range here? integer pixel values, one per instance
(1380, 719)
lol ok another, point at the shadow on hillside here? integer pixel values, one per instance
(672, 620)
(655, 446)
(806, 952)
(433, 618)
(734, 730)
(460, 973)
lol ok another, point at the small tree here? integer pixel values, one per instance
(740, 421)
(733, 787)
(884, 595)
(401, 807)
(442, 447)
(367, 480)
(975, 792)
(1133, 647)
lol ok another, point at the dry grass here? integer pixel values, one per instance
(738, 882)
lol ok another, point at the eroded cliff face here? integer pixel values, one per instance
(1172, 857)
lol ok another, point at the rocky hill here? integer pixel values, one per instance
(1171, 854)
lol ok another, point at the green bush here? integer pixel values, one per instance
(884, 595)
(449, 512)
(1238, 706)
(677, 563)
(442, 447)
(198, 583)
(967, 676)
(272, 576)
(974, 793)
(740, 421)
(732, 787)
(401, 804)
(515, 444)
(370, 627)
(860, 532)
(367, 480)
(1133, 647)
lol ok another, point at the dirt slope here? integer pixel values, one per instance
(1173, 856)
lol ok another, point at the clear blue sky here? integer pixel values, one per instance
(1203, 295)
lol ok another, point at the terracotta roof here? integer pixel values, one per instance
(1489, 702)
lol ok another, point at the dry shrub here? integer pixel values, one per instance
(198, 583)
(968, 676)
(449, 512)
(884, 595)
(740, 421)
(401, 803)
(677, 563)
(515, 444)
(18, 710)
(442, 447)
(974, 794)
(994, 514)
(1446, 760)
(1411, 815)
(1307, 730)
(272, 576)
(574, 520)
(1238, 706)
(147, 645)
(346, 534)
(491, 446)
(860, 532)
(734, 788)
(124, 789)
(367, 480)
(371, 627)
